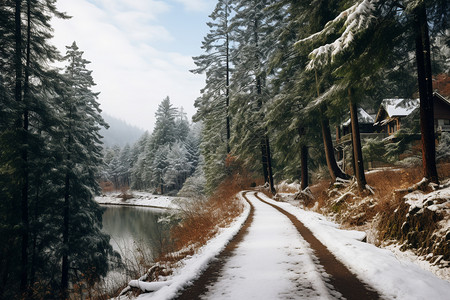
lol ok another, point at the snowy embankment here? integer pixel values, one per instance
(192, 266)
(141, 199)
(393, 277)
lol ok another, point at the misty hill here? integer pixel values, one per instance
(120, 132)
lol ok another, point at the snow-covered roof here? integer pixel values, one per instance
(363, 117)
(442, 98)
(399, 107)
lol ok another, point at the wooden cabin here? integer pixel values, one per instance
(441, 107)
(365, 122)
(392, 112)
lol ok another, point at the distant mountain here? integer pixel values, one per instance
(119, 132)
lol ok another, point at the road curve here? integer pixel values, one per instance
(341, 278)
(283, 267)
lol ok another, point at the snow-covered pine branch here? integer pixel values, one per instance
(356, 18)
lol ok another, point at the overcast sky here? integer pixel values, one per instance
(140, 51)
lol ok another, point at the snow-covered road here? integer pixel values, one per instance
(272, 262)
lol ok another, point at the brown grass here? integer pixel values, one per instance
(201, 220)
(417, 231)
(107, 186)
(443, 170)
(356, 211)
(319, 192)
(384, 182)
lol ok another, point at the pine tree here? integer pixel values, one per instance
(253, 28)
(85, 249)
(213, 107)
(165, 128)
(27, 89)
(216, 64)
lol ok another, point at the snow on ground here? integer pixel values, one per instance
(141, 199)
(272, 262)
(193, 266)
(276, 256)
(393, 277)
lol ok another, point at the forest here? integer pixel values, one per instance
(51, 153)
(280, 76)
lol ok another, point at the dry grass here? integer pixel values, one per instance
(107, 187)
(202, 219)
(443, 170)
(319, 191)
(385, 182)
(394, 220)
(356, 210)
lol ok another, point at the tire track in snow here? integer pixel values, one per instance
(341, 278)
(270, 261)
(212, 273)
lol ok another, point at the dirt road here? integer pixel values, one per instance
(274, 256)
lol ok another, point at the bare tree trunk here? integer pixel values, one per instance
(333, 168)
(304, 167)
(424, 77)
(357, 151)
(269, 165)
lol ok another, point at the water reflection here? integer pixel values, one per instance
(135, 229)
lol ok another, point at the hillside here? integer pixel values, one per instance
(119, 132)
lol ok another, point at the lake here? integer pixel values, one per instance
(136, 234)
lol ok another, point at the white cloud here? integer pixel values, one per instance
(196, 5)
(120, 38)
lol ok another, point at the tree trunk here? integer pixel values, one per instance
(264, 158)
(66, 216)
(22, 124)
(304, 167)
(228, 91)
(333, 168)
(269, 165)
(65, 256)
(357, 151)
(424, 77)
(265, 144)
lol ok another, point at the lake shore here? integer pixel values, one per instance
(141, 199)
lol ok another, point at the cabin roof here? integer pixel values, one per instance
(363, 118)
(442, 98)
(399, 107)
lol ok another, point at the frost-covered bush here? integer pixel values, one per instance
(193, 187)
(401, 145)
(373, 150)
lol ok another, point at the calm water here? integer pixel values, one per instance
(134, 229)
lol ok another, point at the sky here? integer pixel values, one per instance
(140, 52)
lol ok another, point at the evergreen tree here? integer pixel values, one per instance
(165, 128)
(253, 28)
(213, 107)
(26, 89)
(85, 249)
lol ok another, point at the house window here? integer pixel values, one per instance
(446, 122)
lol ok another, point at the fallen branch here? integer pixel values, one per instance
(148, 286)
